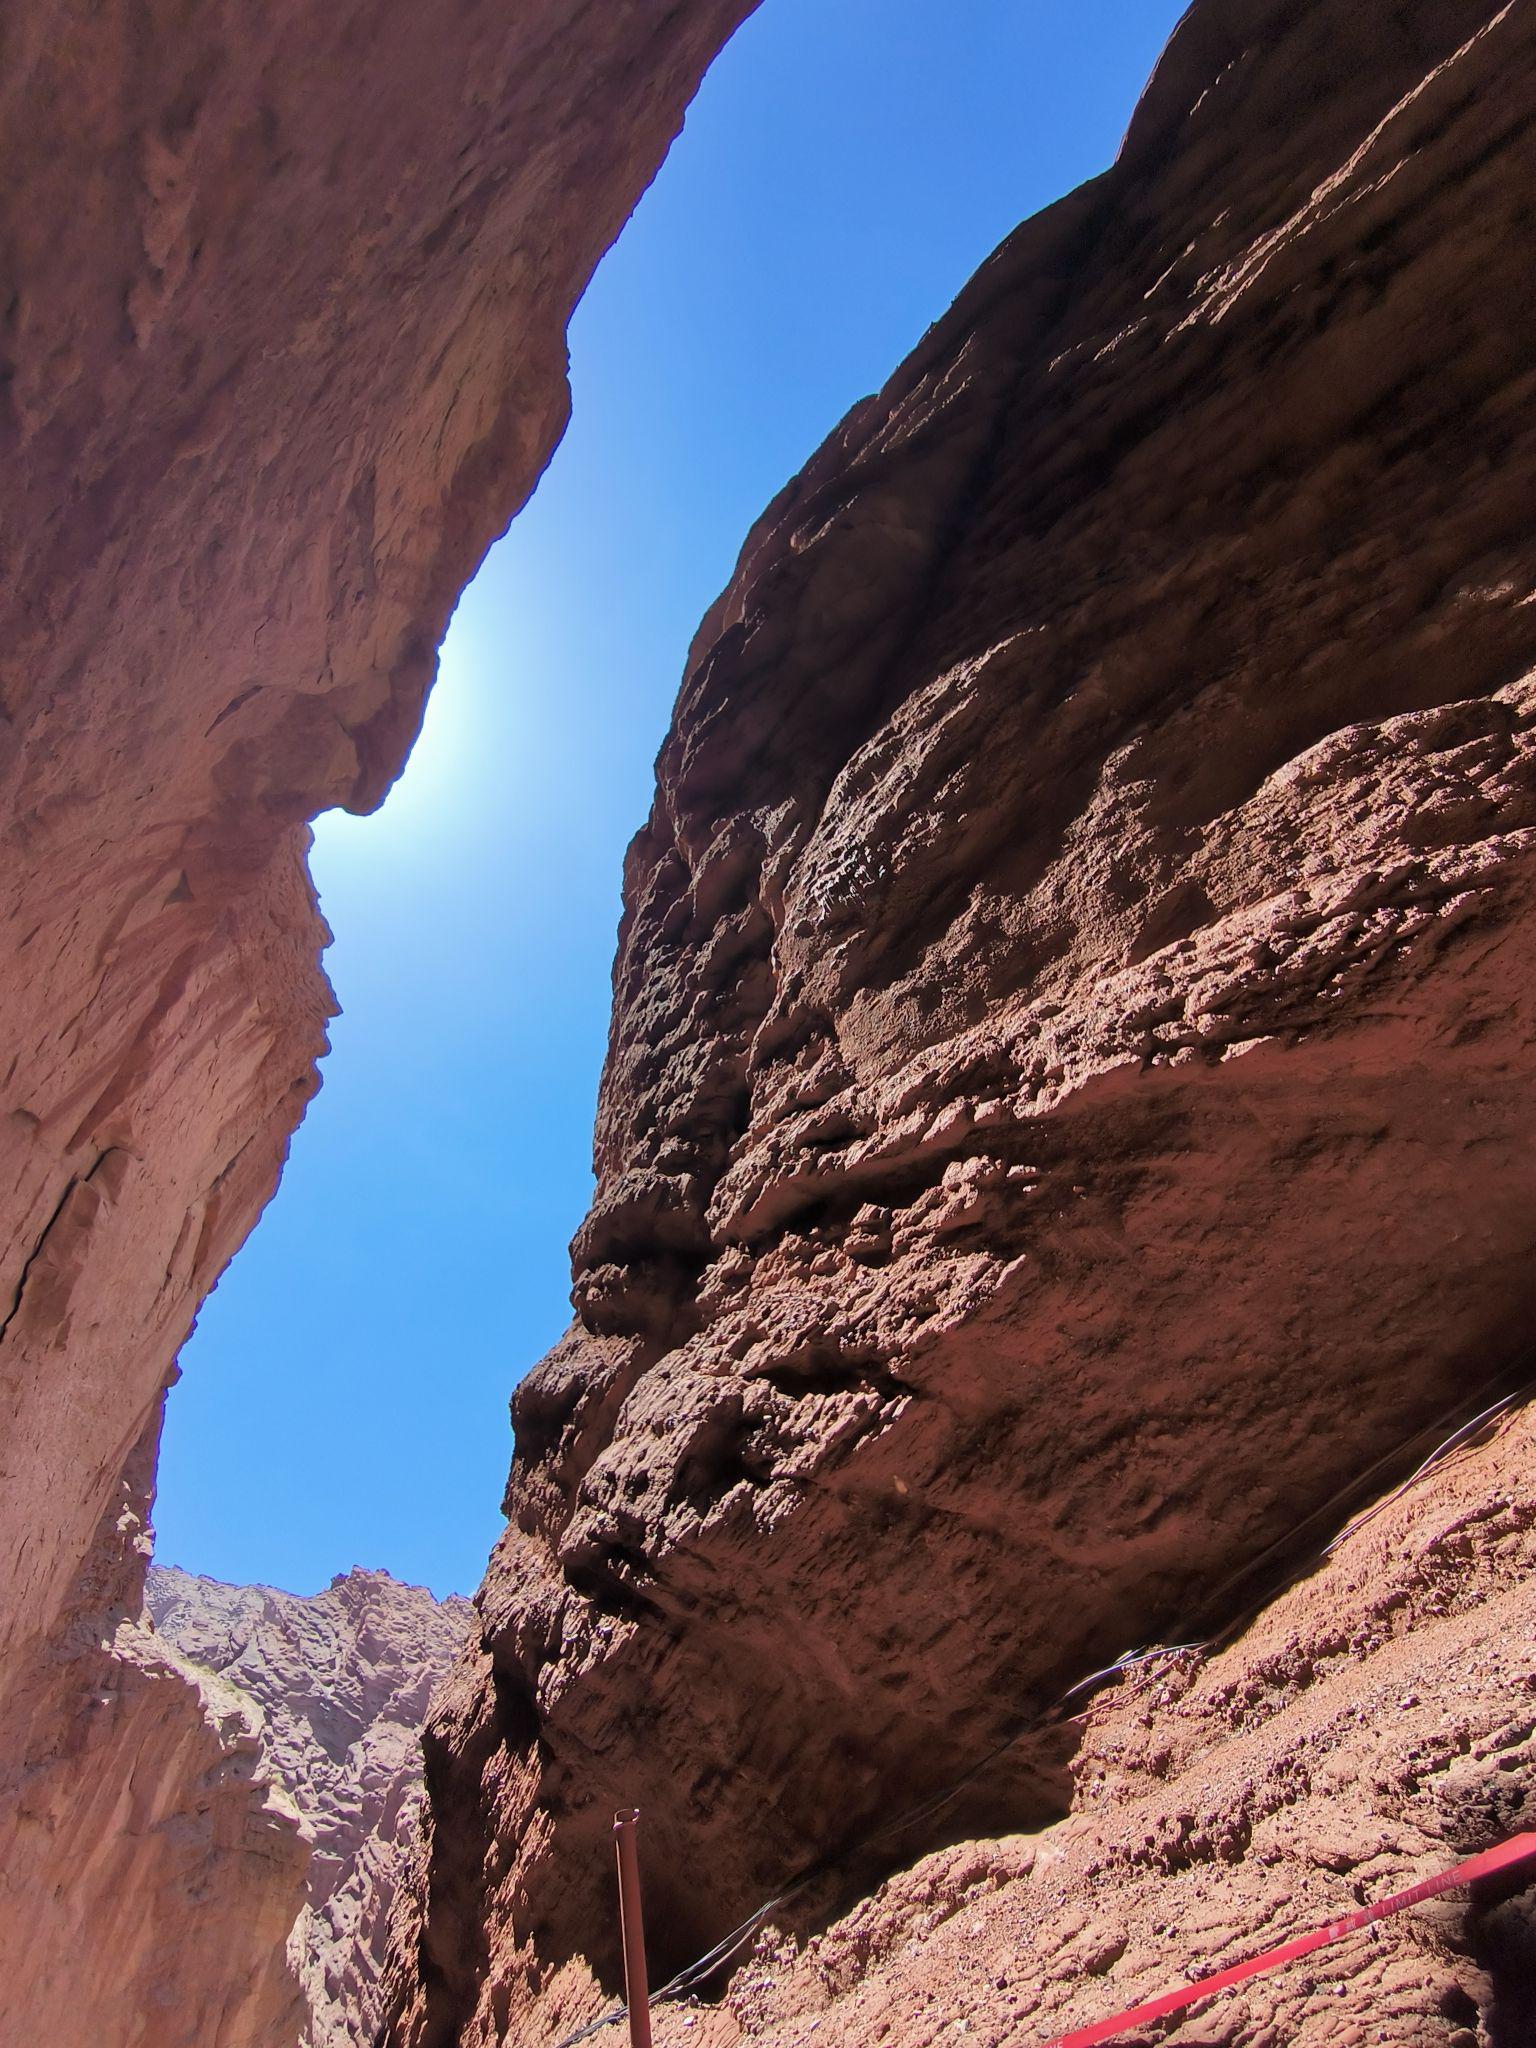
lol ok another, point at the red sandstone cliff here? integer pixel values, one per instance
(1068, 1110)
(1067, 1106)
(337, 1687)
(281, 350)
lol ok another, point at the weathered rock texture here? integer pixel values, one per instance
(1068, 1113)
(337, 1686)
(281, 349)
(1373, 1728)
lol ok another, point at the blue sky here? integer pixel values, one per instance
(846, 166)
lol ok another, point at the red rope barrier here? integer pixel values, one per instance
(1519, 1849)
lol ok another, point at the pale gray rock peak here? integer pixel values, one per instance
(337, 1684)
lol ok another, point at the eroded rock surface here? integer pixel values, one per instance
(1068, 1113)
(1371, 1729)
(338, 1684)
(281, 350)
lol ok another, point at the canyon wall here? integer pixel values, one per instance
(1067, 1124)
(281, 350)
(336, 1686)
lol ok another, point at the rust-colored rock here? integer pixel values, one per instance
(337, 1685)
(1068, 1111)
(281, 350)
(1372, 1729)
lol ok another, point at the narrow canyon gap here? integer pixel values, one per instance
(416, 1257)
(1066, 1115)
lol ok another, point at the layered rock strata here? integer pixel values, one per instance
(337, 1687)
(1067, 1116)
(281, 350)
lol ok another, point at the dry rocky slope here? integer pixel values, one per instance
(1068, 1114)
(337, 1686)
(1374, 1725)
(281, 350)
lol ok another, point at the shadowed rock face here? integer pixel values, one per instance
(1068, 1104)
(1370, 1730)
(337, 1687)
(281, 350)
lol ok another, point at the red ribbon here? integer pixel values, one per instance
(1519, 1849)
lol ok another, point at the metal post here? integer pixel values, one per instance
(637, 1994)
